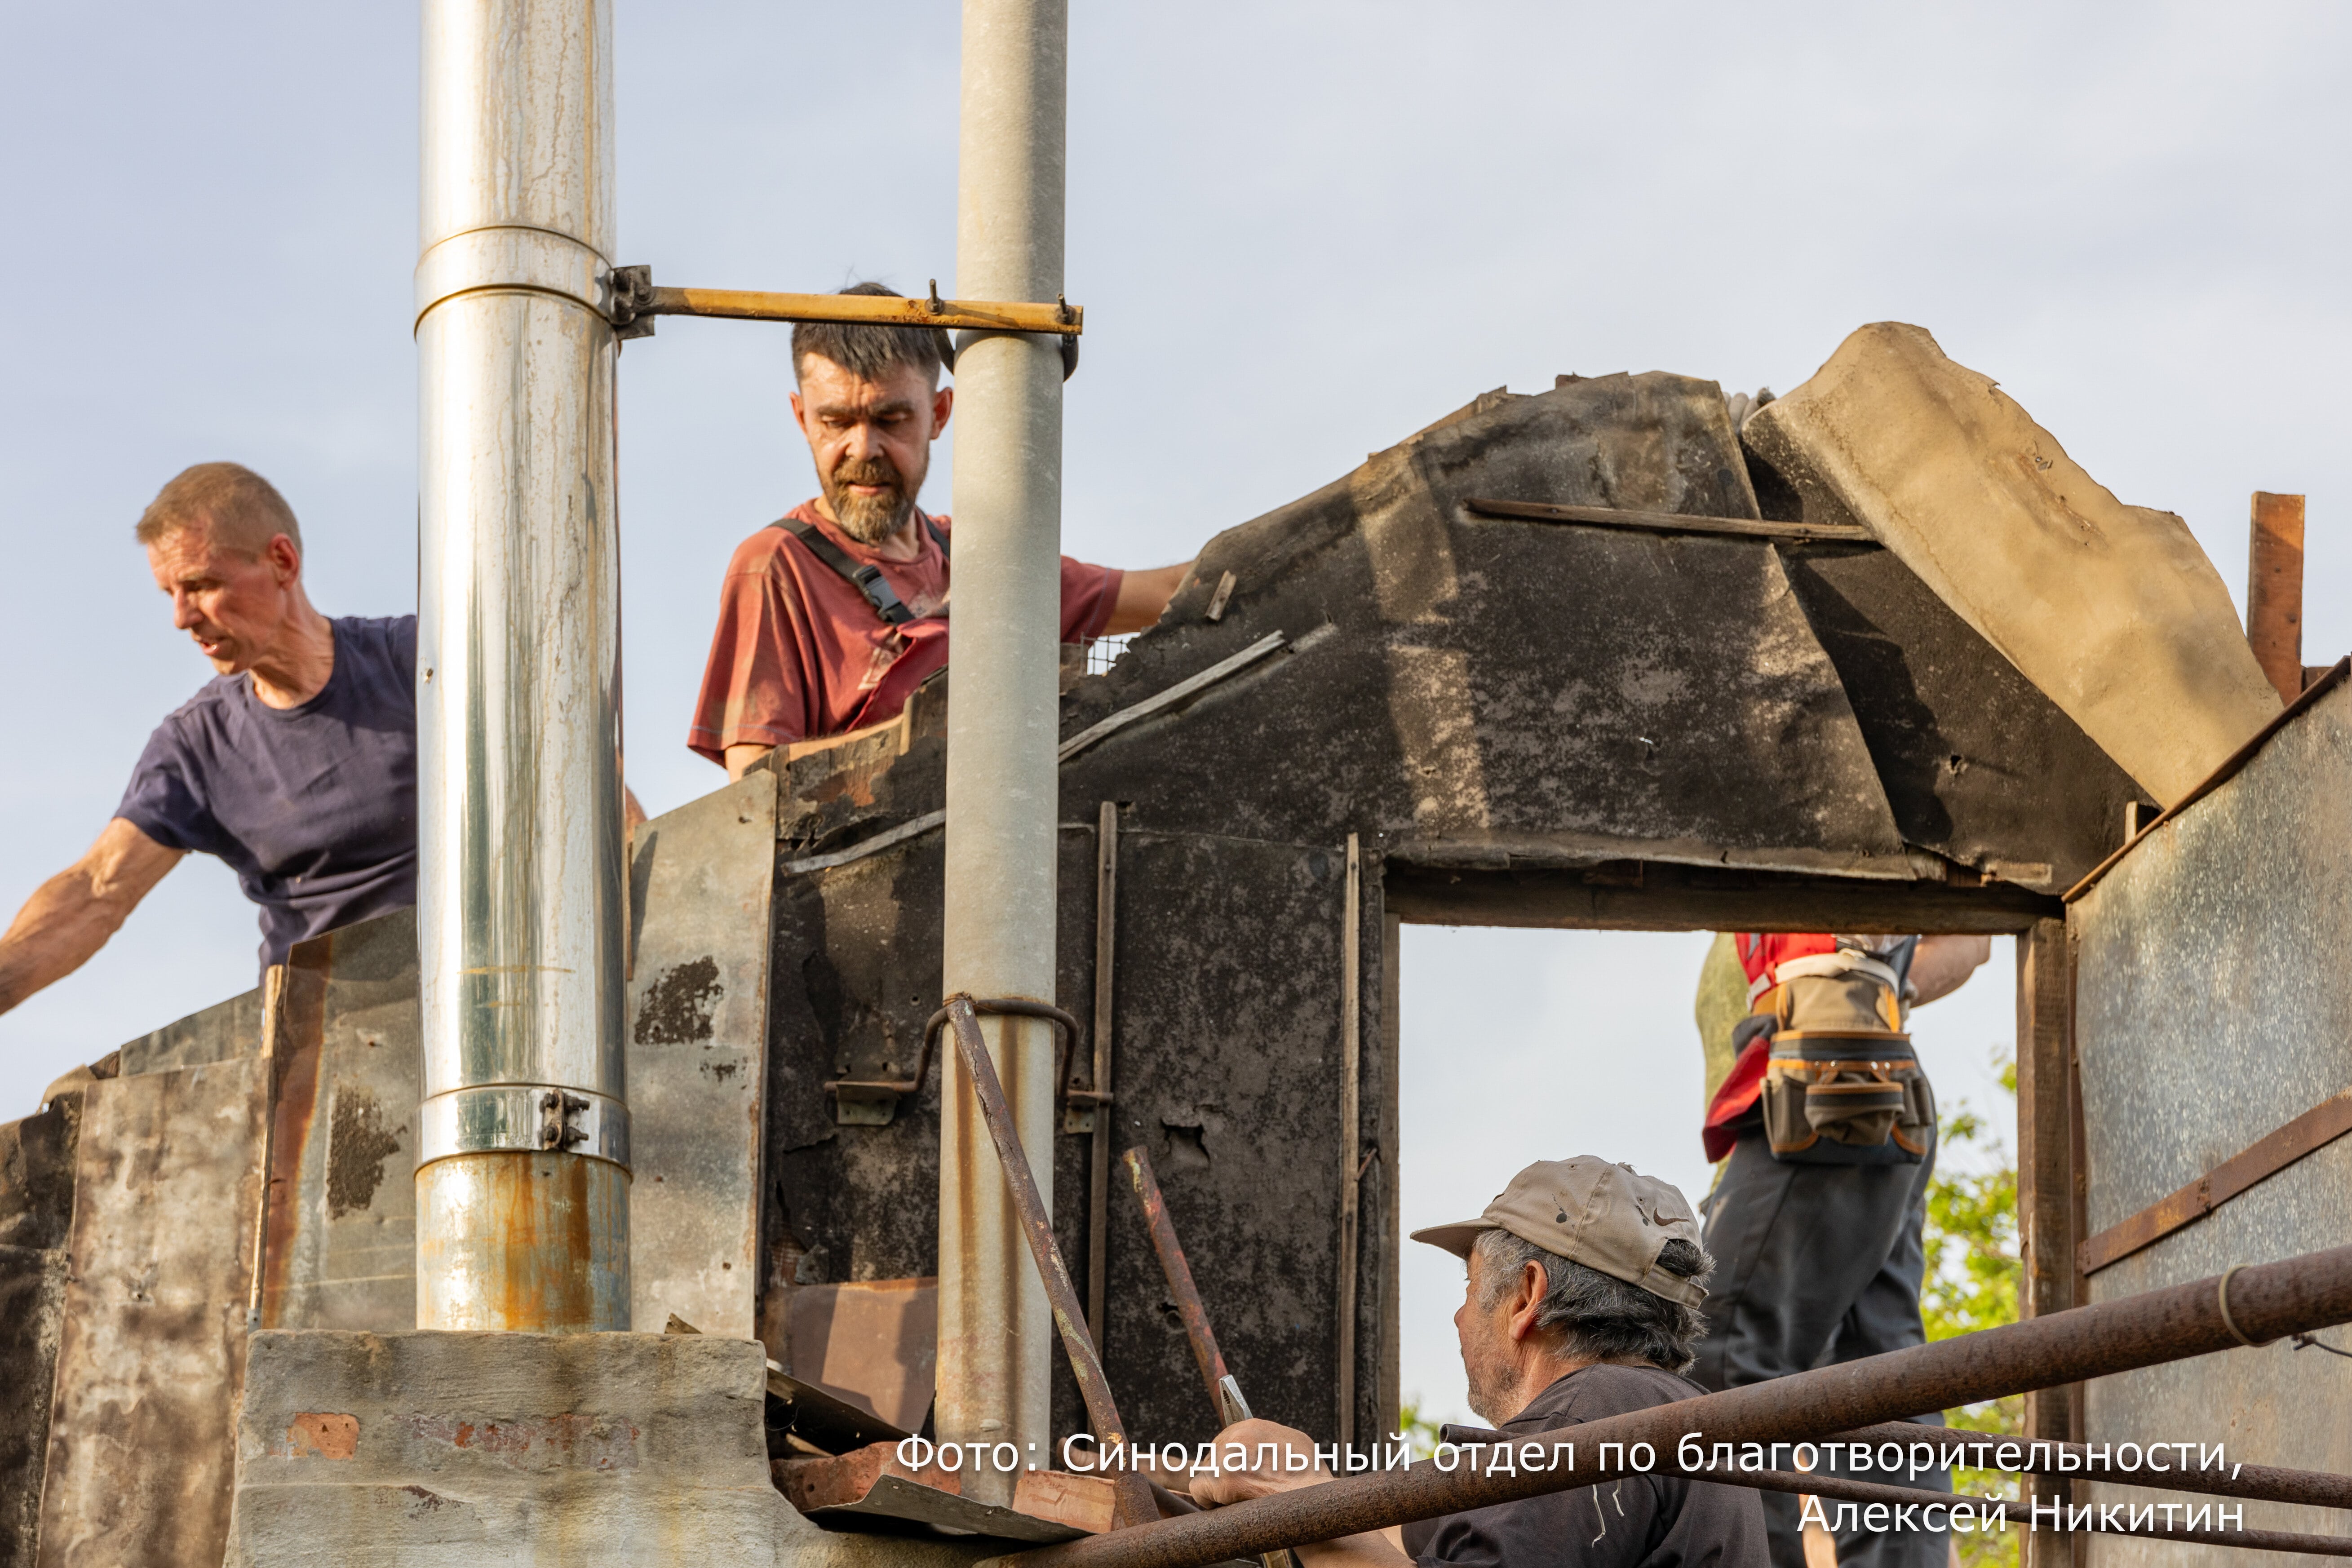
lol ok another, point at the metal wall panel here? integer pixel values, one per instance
(700, 881)
(342, 1251)
(2212, 1007)
(153, 1349)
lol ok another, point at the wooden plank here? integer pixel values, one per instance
(2274, 589)
(1665, 897)
(1082, 1502)
(2312, 1131)
(697, 1026)
(1351, 1010)
(151, 1360)
(1667, 521)
(2045, 1187)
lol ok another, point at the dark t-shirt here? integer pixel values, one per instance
(314, 807)
(1651, 1522)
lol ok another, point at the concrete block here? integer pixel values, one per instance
(364, 1450)
(2111, 610)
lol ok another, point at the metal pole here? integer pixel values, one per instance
(2265, 1301)
(522, 1190)
(996, 1330)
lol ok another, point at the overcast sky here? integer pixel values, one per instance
(2129, 216)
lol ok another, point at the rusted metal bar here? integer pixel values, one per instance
(1667, 521)
(1061, 318)
(1135, 1506)
(1066, 1031)
(1179, 1273)
(1099, 1156)
(2314, 1130)
(1843, 1489)
(2274, 589)
(2260, 1483)
(2265, 1301)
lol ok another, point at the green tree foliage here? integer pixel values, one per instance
(1971, 1283)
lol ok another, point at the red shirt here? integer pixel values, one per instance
(799, 653)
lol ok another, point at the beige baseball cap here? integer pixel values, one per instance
(1606, 1217)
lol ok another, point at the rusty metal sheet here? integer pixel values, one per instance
(341, 1237)
(699, 885)
(874, 1343)
(37, 1160)
(2208, 1015)
(152, 1356)
(224, 1029)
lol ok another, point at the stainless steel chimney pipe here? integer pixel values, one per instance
(522, 1189)
(995, 1328)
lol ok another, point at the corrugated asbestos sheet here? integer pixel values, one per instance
(2212, 1006)
(698, 1021)
(152, 1349)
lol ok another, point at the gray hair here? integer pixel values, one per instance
(868, 353)
(1595, 1315)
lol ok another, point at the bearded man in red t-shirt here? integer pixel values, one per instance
(830, 617)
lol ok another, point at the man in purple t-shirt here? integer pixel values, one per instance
(297, 766)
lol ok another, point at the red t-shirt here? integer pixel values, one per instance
(798, 652)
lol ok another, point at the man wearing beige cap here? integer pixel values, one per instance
(1582, 1300)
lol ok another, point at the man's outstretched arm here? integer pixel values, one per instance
(70, 916)
(1942, 964)
(1142, 596)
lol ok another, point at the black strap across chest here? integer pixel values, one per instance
(865, 577)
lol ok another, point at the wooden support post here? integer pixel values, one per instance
(1351, 982)
(2274, 589)
(1099, 1162)
(2048, 1225)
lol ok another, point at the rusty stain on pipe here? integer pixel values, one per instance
(1179, 1273)
(523, 1241)
(2267, 1300)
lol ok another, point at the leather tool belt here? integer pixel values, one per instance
(1846, 1097)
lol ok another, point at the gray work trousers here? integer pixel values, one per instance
(1815, 1265)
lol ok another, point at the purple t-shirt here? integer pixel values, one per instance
(314, 807)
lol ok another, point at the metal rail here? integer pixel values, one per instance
(1178, 1272)
(2267, 1300)
(635, 298)
(1133, 1503)
(2260, 1483)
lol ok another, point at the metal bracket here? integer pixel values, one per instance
(632, 298)
(872, 1102)
(559, 1120)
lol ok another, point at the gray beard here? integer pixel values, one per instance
(870, 520)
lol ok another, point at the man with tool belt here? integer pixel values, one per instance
(1816, 1218)
(832, 615)
(1582, 1302)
